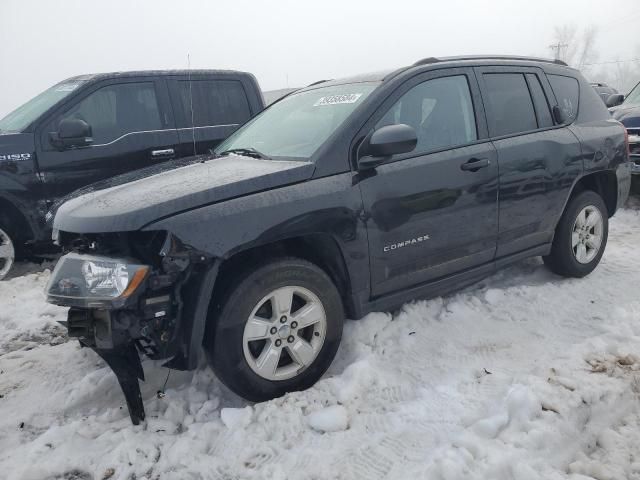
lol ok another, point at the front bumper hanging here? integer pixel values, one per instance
(125, 363)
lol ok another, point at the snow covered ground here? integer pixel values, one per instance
(524, 376)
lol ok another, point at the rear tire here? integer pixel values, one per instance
(581, 236)
(8, 247)
(275, 330)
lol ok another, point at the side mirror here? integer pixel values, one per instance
(389, 140)
(615, 100)
(72, 132)
(558, 115)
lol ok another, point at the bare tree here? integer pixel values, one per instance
(575, 47)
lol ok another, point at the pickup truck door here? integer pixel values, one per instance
(432, 212)
(208, 109)
(132, 128)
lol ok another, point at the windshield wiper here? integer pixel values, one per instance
(249, 152)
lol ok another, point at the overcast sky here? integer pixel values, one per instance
(282, 42)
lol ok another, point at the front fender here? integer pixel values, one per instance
(330, 206)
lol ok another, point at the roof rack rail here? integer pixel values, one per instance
(430, 60)
(318, 82)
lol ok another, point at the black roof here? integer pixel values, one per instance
(152, 73)
(383, 75)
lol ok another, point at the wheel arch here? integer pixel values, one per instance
(13, 214)
(321, 249)
(604, 183)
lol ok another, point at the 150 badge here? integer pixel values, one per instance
(406, 243)
(15, 157)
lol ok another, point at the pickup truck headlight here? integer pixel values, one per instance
(94, 281)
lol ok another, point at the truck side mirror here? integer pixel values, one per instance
(72, 132)
(615, 100)
(384, 142)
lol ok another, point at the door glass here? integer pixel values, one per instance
(567, 93)
(440, 111)
(539, 101)
(115, 110)
(510, 109)
(215, 102)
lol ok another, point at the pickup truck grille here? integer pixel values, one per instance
(634, 143)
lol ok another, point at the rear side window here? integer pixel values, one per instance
(509, 104)
(567, 91)
(115, 110)
(539, 101)
(215, 102)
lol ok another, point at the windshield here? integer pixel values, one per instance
(298, 125)
(634, 96)
(24, 115)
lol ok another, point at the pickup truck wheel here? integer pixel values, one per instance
(7, 249)
(581, 236)
(277, 330)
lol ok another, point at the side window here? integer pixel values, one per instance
(510, 109)
(215, 102)
(116, 110)
(567, 93)
(441, 112)
(539, 101)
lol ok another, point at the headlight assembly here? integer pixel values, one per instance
(94, 281)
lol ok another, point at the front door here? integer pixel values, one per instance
(131, 129)
(433, 212)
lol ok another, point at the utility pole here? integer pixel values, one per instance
(557, 49)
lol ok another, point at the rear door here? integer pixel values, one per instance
(132, 128)
(432, 212)
(214, 106)
(538, 160)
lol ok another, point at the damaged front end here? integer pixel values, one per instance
(133, 294)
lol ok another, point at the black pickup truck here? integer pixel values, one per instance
(345, 197)
(92, 127)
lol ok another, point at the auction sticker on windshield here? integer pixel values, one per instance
(337, 99)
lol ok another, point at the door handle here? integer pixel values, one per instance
(167, 152)
(475, 164)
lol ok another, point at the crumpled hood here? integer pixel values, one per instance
(132, 205)
(628, 115)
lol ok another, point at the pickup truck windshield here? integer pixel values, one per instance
(296, 126)
(26, 114)
(634, 95)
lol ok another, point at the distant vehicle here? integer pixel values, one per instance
(92, 127)
(627, 111)
(272, 96)
(345, 197)
(604, 90)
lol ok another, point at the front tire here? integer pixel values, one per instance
(275, 330)
(581, 236)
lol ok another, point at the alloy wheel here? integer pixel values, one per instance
(586, 237)
(284, 333)
(7, 253)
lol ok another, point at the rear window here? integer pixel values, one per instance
(215, 102)
(567, 91)
(509, 104)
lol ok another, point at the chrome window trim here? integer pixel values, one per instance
(162, 130)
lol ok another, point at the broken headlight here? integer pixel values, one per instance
(94, 281)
